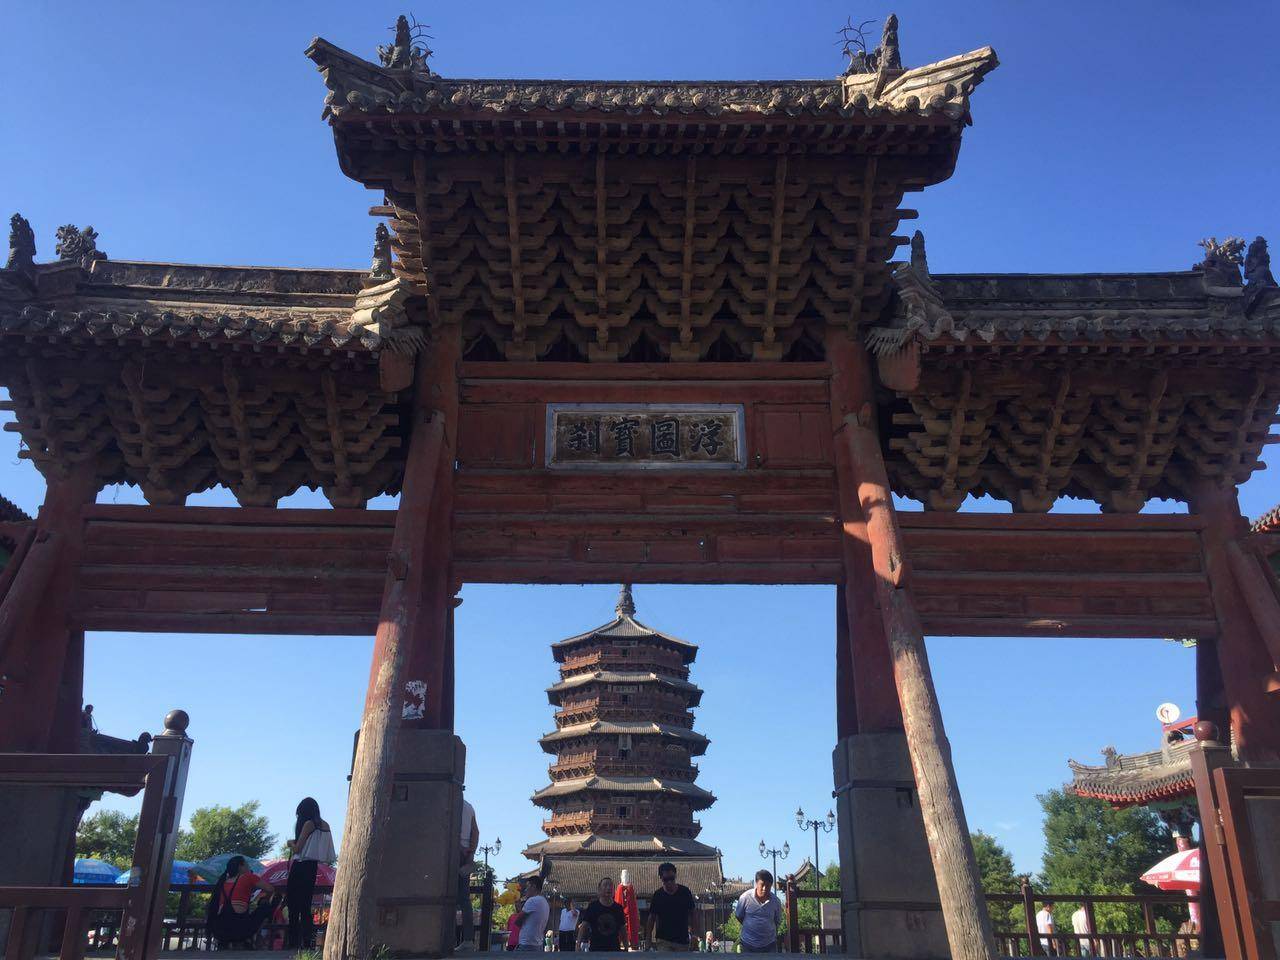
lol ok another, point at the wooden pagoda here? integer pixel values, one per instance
(622, 794)
(644, 332)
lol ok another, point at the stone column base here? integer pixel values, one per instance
(34, 852)
(416, 883)
(890, 903)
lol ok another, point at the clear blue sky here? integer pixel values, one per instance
(1113, 137)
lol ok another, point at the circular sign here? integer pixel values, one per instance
(1168, 713)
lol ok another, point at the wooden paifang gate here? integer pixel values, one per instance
(644, 332)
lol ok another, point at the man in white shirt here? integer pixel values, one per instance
(1044, 924)
(1080, 925)
(568, 928)
(468, 841)
(760, 913)
(532, 919)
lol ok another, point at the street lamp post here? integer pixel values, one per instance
(495, 847)
(766, 851)
(826, 826)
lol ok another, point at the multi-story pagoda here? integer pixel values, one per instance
(622, 792)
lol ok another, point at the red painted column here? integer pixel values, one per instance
(428, 672)
(1243, 657)
(36, 635)
(867, 699)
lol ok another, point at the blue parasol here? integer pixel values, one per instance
(94, 871)
(177, 875)
(213, 868)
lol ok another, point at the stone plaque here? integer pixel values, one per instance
(645, 436)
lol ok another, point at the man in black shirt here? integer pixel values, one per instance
(673, 911)
(602, 920)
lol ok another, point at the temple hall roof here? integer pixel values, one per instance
(703, 798)
(1269, 522)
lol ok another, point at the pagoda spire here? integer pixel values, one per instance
(626, 604)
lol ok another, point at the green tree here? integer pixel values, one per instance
(219, 829)
(1091, 847)
(108, 835)
(995, 867)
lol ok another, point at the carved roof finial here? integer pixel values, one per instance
(1257, 265)
(407, 51)
(919, 262)
(1221, 263)
(889, 56)
(22, 243)
(380, 269)
(626, 603)
(78, 245)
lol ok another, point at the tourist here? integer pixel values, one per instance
(672, 913)
(229, 919)
(312, 845)
(513, 921)
(468, 841)
(760, 913)
(602, 922)
(1044, 924)
(568, 927)
(532, 918)
(1080, 927)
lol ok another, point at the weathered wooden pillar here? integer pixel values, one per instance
(1246, 664)
(964, 909)
(36, 634)
(353, 920)
(889, 897)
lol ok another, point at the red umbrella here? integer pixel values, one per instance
(1178, 871)
(276, 873)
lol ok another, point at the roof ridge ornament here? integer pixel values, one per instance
(884, 59)
(22, 244)
(78, 245)
(1221, 263)
(380, 268)
(407, 51)
(626, 603)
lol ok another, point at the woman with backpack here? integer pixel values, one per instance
(229, 919)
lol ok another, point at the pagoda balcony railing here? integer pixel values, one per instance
(574, 771)
(614, 711)
(567, 824)
(672, 666)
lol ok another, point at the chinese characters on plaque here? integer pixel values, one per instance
(644, 436)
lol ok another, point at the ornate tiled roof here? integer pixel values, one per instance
(361, 89)
(1269, 522)
(623, 676)
(624, 626)
(635, 728)
(1086, 309)
(10, 512)
(628, 844)
(1158, 776)
(703, 798)
(131, 301)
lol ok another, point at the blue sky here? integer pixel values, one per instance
(1112, 138)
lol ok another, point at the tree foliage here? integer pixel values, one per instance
(995, 867)
(108, 835)
(221, 829)
(1092, 848)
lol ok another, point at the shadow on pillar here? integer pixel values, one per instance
(890, 904)
(416, 881)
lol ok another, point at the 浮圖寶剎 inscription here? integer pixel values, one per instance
(644, 436)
